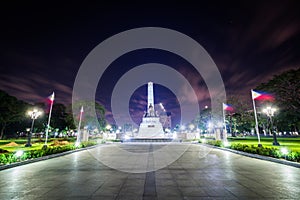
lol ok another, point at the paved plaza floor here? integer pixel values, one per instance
(199, 173)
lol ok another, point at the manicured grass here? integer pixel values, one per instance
(36, 144)
(292, 144)
(22, 147)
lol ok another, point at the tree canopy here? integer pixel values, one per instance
(11, 110)
(13, 116)
(286, 89)
(87, 119)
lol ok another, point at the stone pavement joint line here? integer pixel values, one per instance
(150, 186)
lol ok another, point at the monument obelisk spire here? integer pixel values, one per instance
(150, 126)
(150, 97)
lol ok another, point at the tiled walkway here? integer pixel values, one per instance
(200, 173)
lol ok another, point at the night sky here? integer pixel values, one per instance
(43, 46)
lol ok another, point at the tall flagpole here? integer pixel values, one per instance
(224, 122)
(255, 116)
(78, 130)
(49, 118)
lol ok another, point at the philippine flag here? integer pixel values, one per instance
(51, 98)
(261, 96)
(227, 107)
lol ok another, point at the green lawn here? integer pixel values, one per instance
(36, 144)
(290, 143)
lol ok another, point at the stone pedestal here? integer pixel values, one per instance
(151, 128)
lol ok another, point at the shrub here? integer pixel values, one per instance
(217, 143)
(250, 149)
(3, 158)
(7, 158)
(88, 143)
(275, 153)
(293, 156)
(265, 151)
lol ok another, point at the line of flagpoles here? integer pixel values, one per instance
(51, 99)
(255, 96)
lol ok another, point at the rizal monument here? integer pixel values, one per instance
(150, 126)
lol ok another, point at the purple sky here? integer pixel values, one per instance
(43, 46)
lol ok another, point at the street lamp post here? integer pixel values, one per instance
(34, 114)
(269, 111)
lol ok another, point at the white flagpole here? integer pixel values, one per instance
(255, 116)
(78, 130)
(49, 118)
(224, 122)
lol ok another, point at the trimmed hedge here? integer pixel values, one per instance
(88, 144)
(265, 151)
(7, 158)
(217, 143)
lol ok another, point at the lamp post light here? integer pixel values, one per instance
(34, 114)
(269, 111)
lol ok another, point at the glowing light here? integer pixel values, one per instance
(34, 114)
(19, 153)
(175, 136)
(191, 126)
(127, 137)
(182, 127)
(108, 127)
(269, 111)
(284, 151)
(226, 144)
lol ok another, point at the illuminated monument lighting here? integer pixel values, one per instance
(150, 127)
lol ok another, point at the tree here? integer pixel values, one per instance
(58, 117)
(203, 119)
(242, 118)
(11, 110)
(286, 89)
(87, 119)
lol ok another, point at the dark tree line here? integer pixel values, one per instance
(286, 89)
(12, 111)
(14, 118)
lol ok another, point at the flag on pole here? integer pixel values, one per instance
(256, 95)
(79, 125)
(227, 107)
(261, 96)
(51, 98)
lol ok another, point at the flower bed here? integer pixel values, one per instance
(7, 158)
